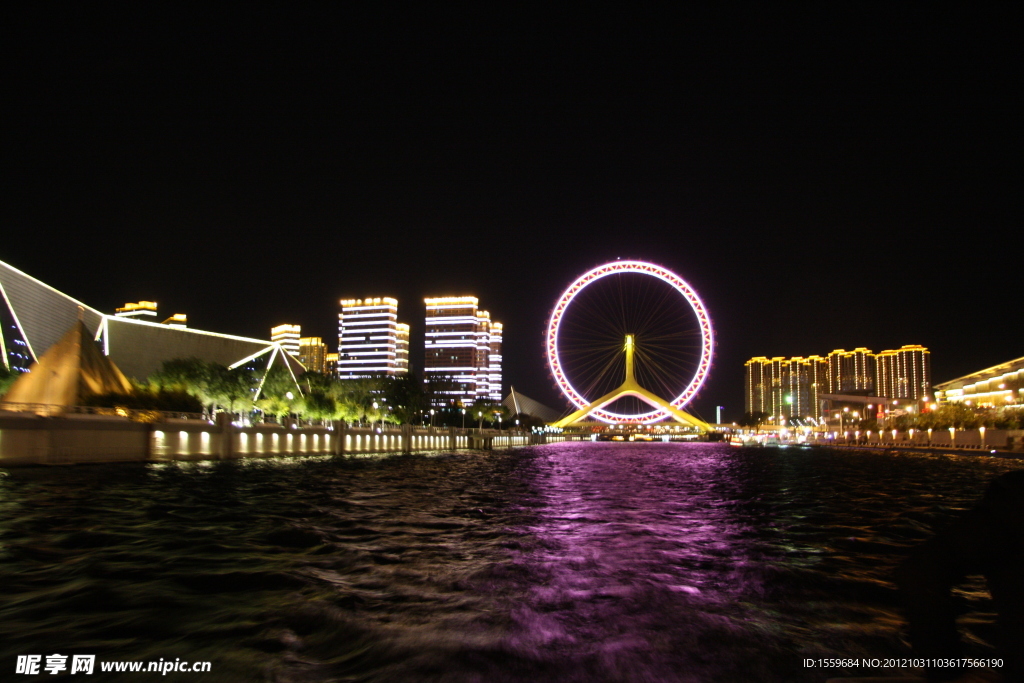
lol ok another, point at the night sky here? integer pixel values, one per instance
(823, 182)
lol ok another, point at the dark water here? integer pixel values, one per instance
(568, 562)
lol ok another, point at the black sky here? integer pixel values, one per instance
(825, 181)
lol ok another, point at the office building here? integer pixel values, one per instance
(288, 337)
(494, 361)
(458, 346)
(313, 354)
(401, 348)
(178, 320)
(141, 310)
(368, 338)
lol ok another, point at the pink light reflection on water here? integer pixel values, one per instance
(641, 559)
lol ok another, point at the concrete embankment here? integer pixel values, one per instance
(28, 439)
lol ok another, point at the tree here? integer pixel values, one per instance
(185, 374)
(278, 383)
(232, 387)
(317, 405)
(753, 419)
(7, 378)
(486, 409)
(406, 397)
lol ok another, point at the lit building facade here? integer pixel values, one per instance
(851, 371)
(141, 310)
(755, 385)
(494, 361)
(313, 354)
(178, 320)
(402, 348)
(904, 373)
(1001, 386)
(462, 351)
(288, 337)
(799, 386)
(785, 387)
(35, 316)
(817, 383)
(368, 338)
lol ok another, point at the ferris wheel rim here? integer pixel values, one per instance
(643, 268)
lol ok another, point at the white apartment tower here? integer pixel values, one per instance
(288, 337)
(369, 338)
(462, 351)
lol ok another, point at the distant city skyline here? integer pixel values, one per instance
(860, 182)
(799, 386)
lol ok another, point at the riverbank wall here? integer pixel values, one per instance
(959, 439)
(30, 439)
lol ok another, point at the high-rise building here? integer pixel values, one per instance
(288, 337)
(331, 363)
(178, 320)
(458, 350)
(401, 348)
(779, 387)
(851, 371)
(817, 384)
(494, 360)
(140, 310)
(368, 338)
(756, 385)
(904, 372)
(795, 387)
(313, 354)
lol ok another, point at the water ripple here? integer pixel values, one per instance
(569, 562)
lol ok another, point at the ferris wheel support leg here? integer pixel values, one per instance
(633, 389)
(681, 416)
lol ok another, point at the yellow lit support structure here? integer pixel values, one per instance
(630, 387)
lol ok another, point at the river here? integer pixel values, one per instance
(564, 562)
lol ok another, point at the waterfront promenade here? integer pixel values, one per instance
(30, 439)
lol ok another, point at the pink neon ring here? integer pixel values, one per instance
(667, 276)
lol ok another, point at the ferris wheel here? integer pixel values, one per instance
(633, 320)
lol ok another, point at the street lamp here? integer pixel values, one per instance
(431, 417)
(463, 418)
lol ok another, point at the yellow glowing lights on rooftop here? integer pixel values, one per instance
(140, 306)
(442, 300)
(286, 329)
(376, 301)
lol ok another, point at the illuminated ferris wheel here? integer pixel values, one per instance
(637, 321)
